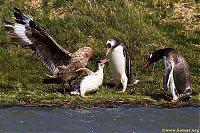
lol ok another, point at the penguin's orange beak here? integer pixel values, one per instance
(146, 64)
(108, 51)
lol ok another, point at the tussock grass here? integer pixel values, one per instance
(144, 26)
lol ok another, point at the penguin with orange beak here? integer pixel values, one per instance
(176, 72)
(119, 63)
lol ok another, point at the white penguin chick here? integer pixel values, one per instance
(92, 81)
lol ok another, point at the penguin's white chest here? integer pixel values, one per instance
(170, 82)
(117, 63)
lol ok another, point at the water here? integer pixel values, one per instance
(124, 119)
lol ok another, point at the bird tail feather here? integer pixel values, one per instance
(136, 82)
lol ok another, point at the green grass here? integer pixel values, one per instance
(145, 27)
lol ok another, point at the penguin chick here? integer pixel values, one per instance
(176, 73)
(92, 81)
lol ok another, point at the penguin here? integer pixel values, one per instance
(120, 62)
(92, 81)
(176, 72)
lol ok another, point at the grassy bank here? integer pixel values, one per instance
(144, 25)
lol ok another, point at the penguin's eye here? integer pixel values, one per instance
(108, 45)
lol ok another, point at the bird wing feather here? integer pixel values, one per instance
(26, 33)
(86, 70)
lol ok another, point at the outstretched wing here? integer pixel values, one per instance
(26, 33)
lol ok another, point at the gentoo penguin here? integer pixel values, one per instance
(92, 81)
(63, 64)
(176, 73)
(120, 62)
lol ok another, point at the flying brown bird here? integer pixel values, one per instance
(63, 64)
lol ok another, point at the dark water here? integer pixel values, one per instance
(124, 119)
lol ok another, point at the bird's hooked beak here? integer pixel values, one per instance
(146, 64)
(104, 60)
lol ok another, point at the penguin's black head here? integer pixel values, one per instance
(157, 55)
(113, 43)
(99, 63)
(154, 57)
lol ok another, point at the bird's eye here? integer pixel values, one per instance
(108, 45)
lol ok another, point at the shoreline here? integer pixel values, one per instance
(108, 104)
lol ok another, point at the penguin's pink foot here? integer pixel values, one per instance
(174, 101)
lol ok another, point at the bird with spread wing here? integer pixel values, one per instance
(63, 64)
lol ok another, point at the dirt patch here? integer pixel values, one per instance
(34, 4)
(186, 13)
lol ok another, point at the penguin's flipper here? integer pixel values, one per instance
(128, 64)
(86, 70)
(167, 71)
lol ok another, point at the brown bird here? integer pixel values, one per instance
(63, 64)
